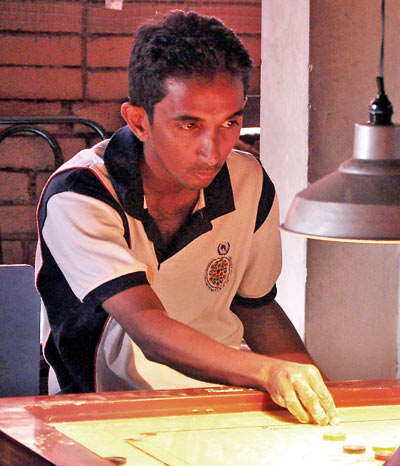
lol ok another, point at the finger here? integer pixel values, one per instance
(325, 398)
(293, 404)
(278, 399)
(311, 402)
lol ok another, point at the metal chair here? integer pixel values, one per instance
(28, 124)
(19, 331)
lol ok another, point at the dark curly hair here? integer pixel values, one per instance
(182, 45)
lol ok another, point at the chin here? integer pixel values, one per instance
(199, 185)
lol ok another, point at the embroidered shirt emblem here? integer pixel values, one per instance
(219, 270)
(223, 248)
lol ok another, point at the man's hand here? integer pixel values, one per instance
(300, 389)
(297, 387)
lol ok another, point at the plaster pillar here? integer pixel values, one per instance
(284, 131)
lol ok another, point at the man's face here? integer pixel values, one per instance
(195, 126)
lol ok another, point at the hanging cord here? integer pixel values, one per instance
(382, 55)
(381, 109)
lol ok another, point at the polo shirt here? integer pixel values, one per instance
(96, 239)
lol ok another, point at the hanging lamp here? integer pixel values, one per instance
(360, 201)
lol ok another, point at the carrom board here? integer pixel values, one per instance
(196, 427)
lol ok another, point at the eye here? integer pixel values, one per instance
(187, 125)
(230, 123)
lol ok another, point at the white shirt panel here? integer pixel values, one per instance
(265, 272)
(94, 232)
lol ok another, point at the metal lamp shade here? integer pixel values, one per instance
(360, 201)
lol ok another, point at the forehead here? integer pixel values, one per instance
(221, 95)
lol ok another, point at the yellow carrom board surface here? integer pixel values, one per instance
(209, 426)
(249, 438)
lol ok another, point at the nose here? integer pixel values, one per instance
(209, 148)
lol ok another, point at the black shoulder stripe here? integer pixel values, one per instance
(266, 200)
(96, 297)
(256, 302)
(81, 181)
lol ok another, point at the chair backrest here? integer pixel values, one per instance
(19, 331)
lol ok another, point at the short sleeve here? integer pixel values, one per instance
(265, 261)
(85, 236)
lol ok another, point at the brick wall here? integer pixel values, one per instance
(69, 58)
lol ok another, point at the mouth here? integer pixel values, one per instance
(207, 173)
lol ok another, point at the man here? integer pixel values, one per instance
(160, 247)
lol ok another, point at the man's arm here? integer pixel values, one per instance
(297, 387)
(268, 331)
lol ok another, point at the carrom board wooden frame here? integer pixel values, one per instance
(27, 436)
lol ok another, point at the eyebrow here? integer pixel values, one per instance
(194, 118)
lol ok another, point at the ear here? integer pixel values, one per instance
(137, 120)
